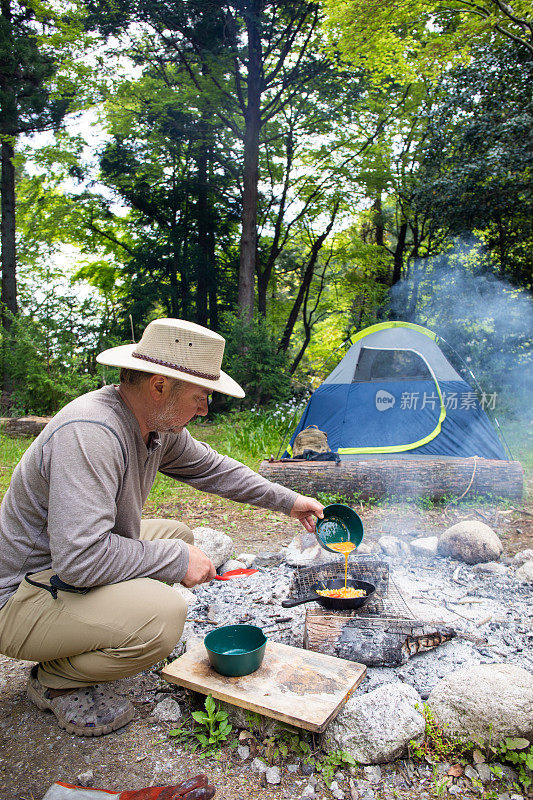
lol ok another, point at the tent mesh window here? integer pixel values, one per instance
(387, 603)
(390, 365)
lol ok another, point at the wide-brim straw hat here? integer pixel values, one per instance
(178, 349)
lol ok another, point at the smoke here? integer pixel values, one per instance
(486, 323)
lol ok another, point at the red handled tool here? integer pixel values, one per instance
(235, 573)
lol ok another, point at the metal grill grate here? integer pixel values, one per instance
(387, 603)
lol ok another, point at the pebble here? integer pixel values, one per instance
(484, 772)
(258, 765)
(471, 773)
(306, 769)
(373, 773)
(455, 790)
(336, 790)
(167, 710)
(292, 768)
(309, 792)
(243, 751)
(273, 775)
(85, 778)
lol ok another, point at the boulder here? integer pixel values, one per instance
(486, 700)
(525, 572)
(377, 727)
(425, 546)
(522, 556)
(247, 559)
(233, 563)
(304, 550)
(470, 541)
(215, 544)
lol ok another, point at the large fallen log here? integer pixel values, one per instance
(24, 426)
(435, 478)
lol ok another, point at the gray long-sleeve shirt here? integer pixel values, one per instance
(75, 499)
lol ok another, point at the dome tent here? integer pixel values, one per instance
(394, 392)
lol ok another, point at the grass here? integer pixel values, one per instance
(250, 436)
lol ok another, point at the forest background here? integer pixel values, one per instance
(284, 172)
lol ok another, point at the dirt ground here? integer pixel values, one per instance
(34, 752)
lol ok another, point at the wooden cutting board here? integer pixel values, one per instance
(300, 687)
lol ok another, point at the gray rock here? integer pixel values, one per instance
(309, 792)
(470, 541)
(523, 556)
(247, 559)
(373, 773)
(243, 751)
(525, 572)
(233, 563)
(273, 775)
(167, 710)
(189, 597)
(377, 727)
(292, 768)
(455, 790)
(240, 718)
(486, 700)
(391, 545)
(471, 773)
(306, 769)
(85, 778)
(491, 568)
(304, 549)
(425, 546)
(336, 790)
(484, 772)
(258, 766)
(215, 544)
(267, 559)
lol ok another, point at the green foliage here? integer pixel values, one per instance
(334, 760)
(212, 730)
(422, 38)
(517, 752)
(255, 433)
(439, 744)
(284, 742)
(47, 366)
(251, 357)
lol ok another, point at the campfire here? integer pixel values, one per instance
(384, 632)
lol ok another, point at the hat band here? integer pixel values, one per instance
(205, 375)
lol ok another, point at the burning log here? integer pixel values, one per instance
(419, 476)
(376, 642)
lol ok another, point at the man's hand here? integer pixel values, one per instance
(201, 569)
(306, 509)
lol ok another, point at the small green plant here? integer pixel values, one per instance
(286, 741)
(439, 744)
(213, 728)
(519, 753)
(440, 782)
(332, 762)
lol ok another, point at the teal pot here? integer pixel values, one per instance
(340, 524)
(236, 650)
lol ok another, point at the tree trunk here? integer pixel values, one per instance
(248, 247)
(203, 243)
(432, 477)
(398, 254)
(9, 269)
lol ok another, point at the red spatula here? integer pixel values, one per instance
(235, 573)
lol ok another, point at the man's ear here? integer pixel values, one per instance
(157, 384)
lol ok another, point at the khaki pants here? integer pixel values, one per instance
(109, 633)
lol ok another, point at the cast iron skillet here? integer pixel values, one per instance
(337, 603)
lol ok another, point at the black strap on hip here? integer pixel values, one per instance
(55, 585)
